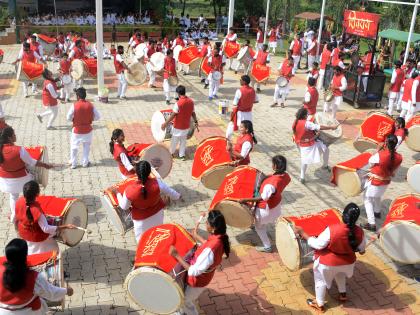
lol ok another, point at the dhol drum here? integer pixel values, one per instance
(138, 73)
(413, 138)
(140, 50)
(119, 218)
(216, 75)
(204, 67)
(400, 234)
(29, 71)
(281, 82)
(328, 95)
(231, 49)
(173, 80)
(243, 182)
(244, 55)
(157, 62)
(77, 70)
(374, 130)
(350, 175)
(190, 56)
(413, 176)
(295, 253)
(328, 136)
(177, 51)
(157, 281)
(211, 162)
(61, 211)
(156, 154)
(91, 67)
(65, 79)
(50, 264)
(158, 119)
(40, 174)
(48, 43)
(260, 73)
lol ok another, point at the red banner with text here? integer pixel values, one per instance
(363, 24)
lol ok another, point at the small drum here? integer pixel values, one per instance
(281, 82)
(173, 80)
(66, 79)
(260, 73)
(243, 55)
(40, 174)
(177, 51)
(29, 71)
(119, 218)
(413, 138)
(216, 75)
(243, 182)
(328, 136)
(157, 61)
(190, 56)
(77, 69)
(295, 253)
(48, 43)
(231, 49)
(374, 130)
(400, 234)
(158, 119)
(156, 154)
(413, 177)
(138, 73)
(328, 95)
(211, 162)
(61, 211)
(350, 175)
(140, 50)
(157, 281)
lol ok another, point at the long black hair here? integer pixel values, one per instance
(115, 135)
(14, 277)
(217, 221)
(143, 170)
(5, 136)
(30, 192)
(391, 143)
(280, 163)
(350, 215)
(248, 126)
(401, 122)
(301, 114)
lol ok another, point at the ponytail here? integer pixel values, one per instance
(115, 135)
(143, 170)
(350, 215)
(30, 192)
(391, 143)
(248, 126)
(14, 276)
(217, 221)
(301, 114)
(5, 136)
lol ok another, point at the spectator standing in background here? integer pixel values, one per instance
(219, 22)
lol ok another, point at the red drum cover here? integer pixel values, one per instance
(352, 165)
(259, 72)
(404, 208)
(376, 127)
(91, 66)
(415, 120)
(36, 259)
(188, 55)
(54, 206)
(32, 70)
(210, 152)
(120, 187)
(153, 247)
(47, 39)
(35, 152)
(136, 149)
(314, 224)
(231, 49)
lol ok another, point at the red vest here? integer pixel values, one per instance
(311, 105)
(29, 56)
(400, 133)
(367, 61)
(407, 90)
(247, 98)
(279, 182)
(23, 296)
(185, 110)
(325, 58)
(179, 41)
(335, 57)
(382, 171)
(396, 86)
(260, 37)
(312, 51)
(315, 74)
(238, 147)
(297, 47)
(118, 149)
(83, 117)
(272, 35)
(336, 81)
(29, 231)
(144, 208)
(65, 66)
(118, 65)
(216, 63)
(339, 252)
(303, 136)
(262, 57)
(215, 243)
(47, 99)
(150, 51)
(78, 53)
(12, 166)
(169, 69)
(35, 47)
(286, 70)
(60, 39)
(204, 50)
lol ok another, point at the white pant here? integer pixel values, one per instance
(320, 79)
(25, 87)
(263, 217)
(213, 86)
(49, 245)
(280, 93)
(182, 145)
(393, 98)
(408, 113)
(152, 74)
(191, 295)
(122, 85)
(66, 91)
(78, 83)
(325, 158)
(311, 60)
(12, 202)
(76, 139)
(255, 84)
(333, 105)
(51, 111)
(296, 60)
(141, 226)
(168, 89)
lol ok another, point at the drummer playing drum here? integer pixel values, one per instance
(206, 259)
(244, 144)
(311, 98)
(280, 93)
(244, 100)
(338, 85)
(120, 153)
(31, 223)
(262, 57)
(216, 62)
(335, 256)
(49, 99)
(268, 202)
(120, 67)
(205, 51)
(67, 87)
(169, 70)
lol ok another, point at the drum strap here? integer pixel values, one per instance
(17, 307)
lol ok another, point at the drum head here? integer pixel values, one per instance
(154, 290)
(66, 79)
(213, 177)
(76, 214)
(281, 81)
(156, 125)
(242, 53)
(113, 216)
(328, 96)
(287, 245)
(349, 182)
(400, 241)
(216, 75)
(138, 74)
(363, 145)
(161, 159)
(19, 71)
(413, 177)
(413, 138)
(195, 64)
(173, 80)
(236, 214)
(77, 69)
(158, 61)
(139, 50)
(327, 120)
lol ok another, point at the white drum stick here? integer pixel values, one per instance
(200, 219)
(82, 229)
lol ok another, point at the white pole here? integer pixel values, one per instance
(100, 44)
(140, 10)
(393, 2)
(413, 22)
(267, 11)
(56, 21)
(321, 24)
(231, 12)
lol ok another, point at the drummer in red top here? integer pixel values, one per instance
(311, 51)
(22, 290)
(144, 198)
(216, 62)
(385, 164)
(260, 39)
(169, 70)
(311, 98)
(77, 53)
(120, 67)
(181, 115)
(244, 100)
(36, 47)
(338, 86)
(205, 261)
(325, 59)
(400, 131)
(335, 256)
(240, 151)
(314, 73)
(67, 87)
(13, 161)
(179, 41)
(31, 223)
(272, 40)
(410, 103)
(262, 57)
(268, 203)
(280, 93)
(49, 99)
(120, 153)
(397, 80)
(205, 51)
(296, 51)
(151, 48)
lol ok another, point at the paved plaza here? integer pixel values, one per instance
(248, 282)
